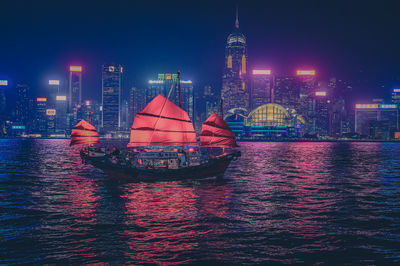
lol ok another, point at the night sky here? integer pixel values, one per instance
(339, 38)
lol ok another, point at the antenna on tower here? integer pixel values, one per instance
(237, 17)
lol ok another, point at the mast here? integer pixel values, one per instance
(179, 88)
(90, 116)
(180, 95)
(221, 109)
(237, 18)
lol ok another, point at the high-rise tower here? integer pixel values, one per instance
(234, 80)
(163, 86)
(111, 92)
(75, 86)
(22, 104)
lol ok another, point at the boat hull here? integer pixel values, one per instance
(212, 167)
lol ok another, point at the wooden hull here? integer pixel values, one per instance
(213, 167)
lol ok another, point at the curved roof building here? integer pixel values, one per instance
(273, 119)
(269, 115)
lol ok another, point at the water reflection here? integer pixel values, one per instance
(280, 203)
(165, 219)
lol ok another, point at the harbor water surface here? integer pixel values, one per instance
(308, 203)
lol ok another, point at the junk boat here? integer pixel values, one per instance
(163, 145)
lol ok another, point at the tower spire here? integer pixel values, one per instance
(237, 18)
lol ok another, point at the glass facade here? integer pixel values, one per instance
(376, 123)
(163, 86)
(75, 88)
(269, 115)
(272, 120)
(234, 81)
(111, 100)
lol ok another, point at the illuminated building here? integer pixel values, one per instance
(111, 97)
(287, 91)
(274, 120)
(236, 119)
(92, 109)
(396, 96)
(3, 85)
(307, 79)
(320, 115)
(136, 102)
(261, 91)
(162, 85)
(22, 106)
(234, 81)
(75, 86)
(341, 111)
(124, 115)
(54, 86)
(207, 102)
(40, 117)
(376, 121)
(61, 114)
(51, 121)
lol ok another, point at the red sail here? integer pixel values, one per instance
(162, 123)
(84, 133)
(215, 132)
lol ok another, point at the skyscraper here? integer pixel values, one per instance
(111, 97)
(396, 96)
(22, 105)
(75, 86)
(307, 89)
(54, 90)
(377, 121)
(287, 92)
(261, 88)
(234, 81)
(61, 114)
(163, 86)
(321, 116)
(40, 118)
(207, 102)
(3, 85)
(136, 102)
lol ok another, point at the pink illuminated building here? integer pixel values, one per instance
(75, 86)
(261, 90)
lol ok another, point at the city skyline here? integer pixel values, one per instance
(256, 102)
(271, 42)
(199, 132)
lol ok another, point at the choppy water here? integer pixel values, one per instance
(333, 203)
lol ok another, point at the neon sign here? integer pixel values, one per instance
(51, 112)
(156, 81)
(3, 82)
(261, 72)
(320, 93)
(75, 68)
(387, 106)
(61, 98)
(396, 90)
(54, 82)
(376, 106)
(18, 127)
(305, 72)
(41, 99)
